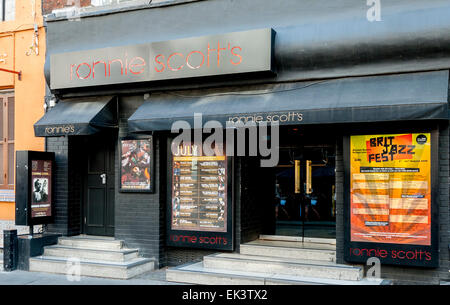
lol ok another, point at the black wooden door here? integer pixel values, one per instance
(99, 186)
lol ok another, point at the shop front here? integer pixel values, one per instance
(188, 143)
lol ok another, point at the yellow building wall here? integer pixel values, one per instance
(16, 40)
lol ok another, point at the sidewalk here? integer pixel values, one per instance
(18, 277)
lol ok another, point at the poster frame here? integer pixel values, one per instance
(150, 139)
(24, 187)
(433, 248)
(228, 234)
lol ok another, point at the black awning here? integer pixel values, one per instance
(81, 116)
(412, 96)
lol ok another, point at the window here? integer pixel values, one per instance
(7, 141)
(7, 10)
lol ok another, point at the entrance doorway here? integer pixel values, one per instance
(304, 187)
(99, 185)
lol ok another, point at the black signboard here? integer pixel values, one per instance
(136, 164)
(391, 209)
(223, 54)
(199, 212)
(34, 187)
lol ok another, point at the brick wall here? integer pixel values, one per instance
(68, 190)
(339, 187)
(256, 199)
(60, 146)
(399, 274)
(139, 217)
(177, 256)
(410, 275)
(49, 5)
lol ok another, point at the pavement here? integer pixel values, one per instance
(19, 277)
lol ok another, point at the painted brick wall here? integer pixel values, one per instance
(177, 256)
(68, 181)
(256, 197)
(432, 276)
(60, 146)
(406, 275)
(339, 186)
(139, 216)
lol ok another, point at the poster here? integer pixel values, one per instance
(41, 183)
(136, 160)
(390, 189)
(199, 191)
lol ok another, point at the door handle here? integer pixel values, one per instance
(103, 176)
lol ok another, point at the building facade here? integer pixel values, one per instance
(22, 48)
(361, 107)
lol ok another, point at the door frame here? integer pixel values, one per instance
(113, 136)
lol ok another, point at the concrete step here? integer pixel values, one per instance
(290, 244)
(288, 252)
(90, 243)
(286, 266)
(118, 255)
(196, 273)
(329, 241)
(94, 268)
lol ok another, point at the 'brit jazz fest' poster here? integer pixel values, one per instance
(391, 188)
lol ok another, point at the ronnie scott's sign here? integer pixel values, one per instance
(232, 53)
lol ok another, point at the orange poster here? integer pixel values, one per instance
(390, 188)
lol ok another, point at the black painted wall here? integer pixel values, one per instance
(405, 275)
(140, 218)
(68, 190)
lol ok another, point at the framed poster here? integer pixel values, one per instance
(390, 202)
(34, 187)
(41, 188)
(200, 209)
(136, 164)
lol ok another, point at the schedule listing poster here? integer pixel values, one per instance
(199, 191)
(391, 188)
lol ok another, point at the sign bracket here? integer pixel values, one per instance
(19, 73)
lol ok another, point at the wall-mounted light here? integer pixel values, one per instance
(52, 102)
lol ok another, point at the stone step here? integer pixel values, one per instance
(330, 241)
(94, 268)
(90, 243)
(290, 244)
(196, 273)
(288, 252)
(286, 266)
(119, 255)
